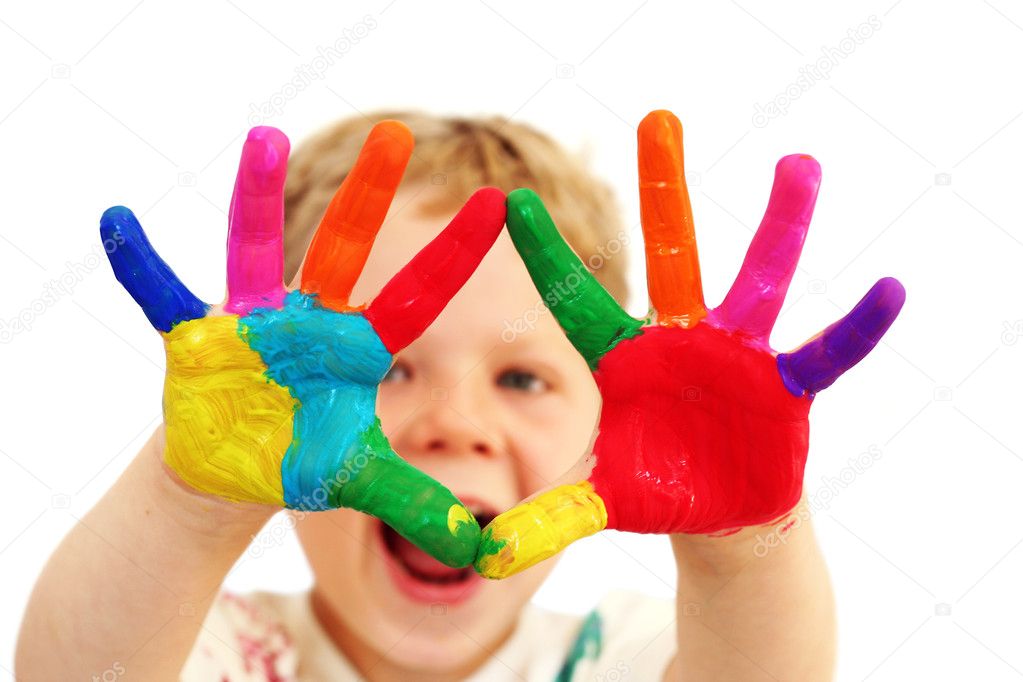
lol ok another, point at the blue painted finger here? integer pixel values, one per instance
(141, 271)
(820, 361)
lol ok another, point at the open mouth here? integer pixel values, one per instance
(421, 577)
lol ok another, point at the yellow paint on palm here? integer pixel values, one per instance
(228, 424)
(540, 528)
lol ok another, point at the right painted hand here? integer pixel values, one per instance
(704, 427)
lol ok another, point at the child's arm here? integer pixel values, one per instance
(704, 428)
(129, 586)
(269, 402)
(756, 605)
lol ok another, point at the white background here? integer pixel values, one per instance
(917, 129)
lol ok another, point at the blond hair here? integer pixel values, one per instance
(463, 154)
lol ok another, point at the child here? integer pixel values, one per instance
(493, 402)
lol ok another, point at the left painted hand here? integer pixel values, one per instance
(270, 397)
(704, 428)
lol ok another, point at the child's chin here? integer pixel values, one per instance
(450, 619)
(436, 646)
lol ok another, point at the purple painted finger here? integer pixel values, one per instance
(755, 299)
(820, 361)
(255, 246)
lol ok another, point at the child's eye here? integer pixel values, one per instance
(398, 372)
(521, 380)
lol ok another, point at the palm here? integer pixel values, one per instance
(712, 419)
(271, 398)
(703, 427)
(295, 390)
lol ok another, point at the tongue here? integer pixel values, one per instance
(421, 562)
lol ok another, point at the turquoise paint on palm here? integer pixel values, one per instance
(332, 368)
(332, 363)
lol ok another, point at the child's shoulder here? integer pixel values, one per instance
(264, 636)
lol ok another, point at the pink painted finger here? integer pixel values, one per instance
(415, 296)
(255, 245)
(755, 299)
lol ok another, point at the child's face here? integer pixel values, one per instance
(494, 403)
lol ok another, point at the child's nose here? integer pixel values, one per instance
(444, 428)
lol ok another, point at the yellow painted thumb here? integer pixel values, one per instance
(538, 529)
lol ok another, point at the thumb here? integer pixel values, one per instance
(541, 526)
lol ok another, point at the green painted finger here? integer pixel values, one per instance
(591, 318)
(419, 508)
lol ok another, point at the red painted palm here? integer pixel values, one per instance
(704, 428)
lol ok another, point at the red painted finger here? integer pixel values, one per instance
(414, 297)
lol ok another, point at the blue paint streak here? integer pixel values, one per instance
(149, 280)
(820, 362)
(332, 363)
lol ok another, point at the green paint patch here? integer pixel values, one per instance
(587, 645)
(488, 548)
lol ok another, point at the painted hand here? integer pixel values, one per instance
(270, 397)
(704, 428)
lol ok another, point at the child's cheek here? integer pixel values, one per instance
(544, 456)
(396, 403)
(551, 434)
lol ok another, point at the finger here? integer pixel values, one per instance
(591, 318)
(414, 297)
(255, 246)
(755, 299)
(375, 480)
(673, 266)
(819, 362)
(417, 507)
(141, 271)
(538, 529)
(342, 242)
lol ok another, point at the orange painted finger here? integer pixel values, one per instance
(345, 236)
(673, 267)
